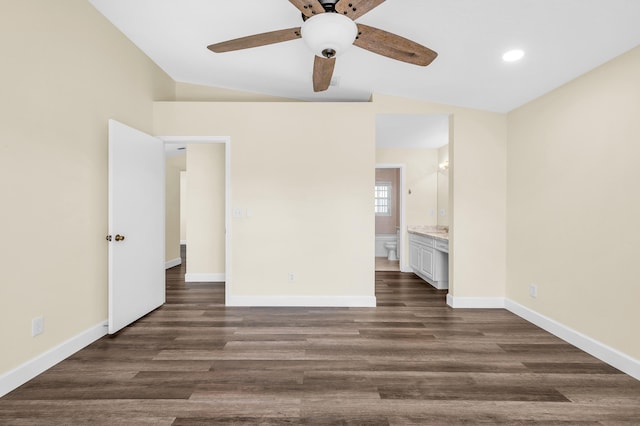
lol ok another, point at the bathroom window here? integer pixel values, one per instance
(383, 198)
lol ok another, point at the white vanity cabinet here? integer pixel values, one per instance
(429, 259)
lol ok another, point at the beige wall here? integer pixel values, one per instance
(573, 204)
(274, 152)
(477, 212)
(187, 92)
(421, 166)
(174, 167)
(65, 72)
(302, 219)
(206, 209)
(443, 187)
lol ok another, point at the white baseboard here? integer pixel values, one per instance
(631, 366)
(475, 302)
(613, 357)
(30, 369)
(304, 301)
(205, 278)
(173, 262)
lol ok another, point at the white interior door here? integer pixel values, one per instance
(136, 224)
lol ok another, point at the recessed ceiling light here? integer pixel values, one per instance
(513, 55)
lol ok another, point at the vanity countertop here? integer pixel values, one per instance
(437, 232)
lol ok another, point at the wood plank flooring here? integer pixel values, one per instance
(412, 360)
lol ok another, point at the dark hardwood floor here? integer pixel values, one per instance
(411, 360)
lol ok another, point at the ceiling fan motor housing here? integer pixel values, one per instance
(329, 5)
(329, 34)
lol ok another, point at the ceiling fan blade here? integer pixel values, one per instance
(322, 73)
(308, 7)
(256, 40)
(393, 46)
(356, 8)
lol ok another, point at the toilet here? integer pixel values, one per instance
(391, 247)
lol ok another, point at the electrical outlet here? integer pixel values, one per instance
(292, 277)
(37, 326)
(533, 290)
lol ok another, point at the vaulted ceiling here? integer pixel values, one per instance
(562, 39)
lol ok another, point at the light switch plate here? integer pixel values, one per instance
(37, 326)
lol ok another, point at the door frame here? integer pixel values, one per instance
(403, 231)
(226, 140)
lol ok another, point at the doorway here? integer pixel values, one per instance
(207, 208)
(389, 220)
(413, 142)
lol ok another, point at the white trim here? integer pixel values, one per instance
(631, 366)
(475, 302)
(304, 301)
(227, 218)
(173, 262)
(204, 278)
(183, 242)
(30, 369)
(611, 356)
(194, 139)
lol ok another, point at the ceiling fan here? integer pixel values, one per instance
(329, 29)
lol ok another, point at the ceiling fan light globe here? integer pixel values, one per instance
(329, 32)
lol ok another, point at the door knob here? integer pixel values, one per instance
(119, 237)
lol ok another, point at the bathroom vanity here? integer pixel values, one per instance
(429, 255)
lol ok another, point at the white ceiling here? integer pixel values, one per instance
(562, 39)
(173, 149)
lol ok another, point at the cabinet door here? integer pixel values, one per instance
(414, 256)
(427, 261)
